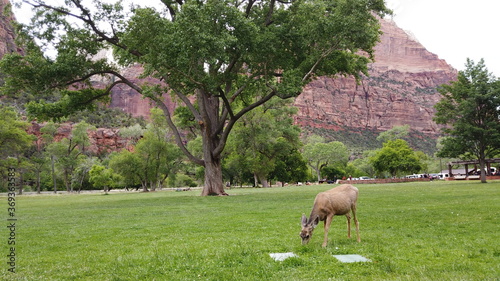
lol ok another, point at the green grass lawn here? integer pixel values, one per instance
(410, 231)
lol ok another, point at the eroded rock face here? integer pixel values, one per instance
(7, 37)
(131, 101)
(102, 140)
(400, 89)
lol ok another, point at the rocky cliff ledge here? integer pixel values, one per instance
(7, 37)
(127, 99)
(400, 89)
(102, 140)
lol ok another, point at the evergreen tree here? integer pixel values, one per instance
(470, 107)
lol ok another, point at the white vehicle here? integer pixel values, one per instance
(443, 175)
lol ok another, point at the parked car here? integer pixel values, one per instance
(434, 176)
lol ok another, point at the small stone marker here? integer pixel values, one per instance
(282, 256)
(351, 258)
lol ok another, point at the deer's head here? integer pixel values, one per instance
(308, 228)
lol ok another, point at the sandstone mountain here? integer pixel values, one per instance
(7, 43)
(400, 89)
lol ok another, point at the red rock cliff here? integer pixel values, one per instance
(400, 89)
(130, 101)
(7, 43)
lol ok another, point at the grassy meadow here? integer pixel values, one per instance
(410, 231)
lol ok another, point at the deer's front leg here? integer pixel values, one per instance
(328, 221)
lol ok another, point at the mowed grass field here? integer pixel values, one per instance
(410, 231)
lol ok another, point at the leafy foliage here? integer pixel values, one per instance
(106, 117)
(102, 177)
(13, 136)
(263, 141)
(396, 158)
(470, 107)
(319, 154)
(154, 157)
(397, 132)
(69, 152)
(359, 140)
(14, 142)
(70, 103)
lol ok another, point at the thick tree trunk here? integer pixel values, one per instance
(209, 108)
(53, 173)
(213, 178)
(482, 165)
(21, 182)
(263, 180)
(38, 179)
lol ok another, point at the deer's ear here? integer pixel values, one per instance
(304, 220)
(315, 222)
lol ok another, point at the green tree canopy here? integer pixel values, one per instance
(130, 166)
(263, 138)
(470, 107)
(396, 157)
(319, 154)
(13, 136)
(213, 56)
(102, 177)
(69, 151)
(397, 132)
(14, 142)
(154, 157)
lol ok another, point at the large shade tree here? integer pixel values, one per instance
(319, 154)
(396, 157)
(210, 55)
(14, 143)
(470, 107)
(263, 138)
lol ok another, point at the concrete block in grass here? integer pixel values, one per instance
(282, 256)
(351, 258)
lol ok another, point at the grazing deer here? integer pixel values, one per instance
(338, 201)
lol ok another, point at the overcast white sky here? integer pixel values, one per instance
(452, 29)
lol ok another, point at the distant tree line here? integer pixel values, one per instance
(265, 147)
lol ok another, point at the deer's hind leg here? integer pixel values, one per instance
(353, 209)
(348, 217)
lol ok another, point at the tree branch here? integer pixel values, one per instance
(270, 13)
(218, 150)
(249, 7)
(226, 102)
(177, 135)
(86, 18)
(158, 102)
(321, 58)
(188, 103)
